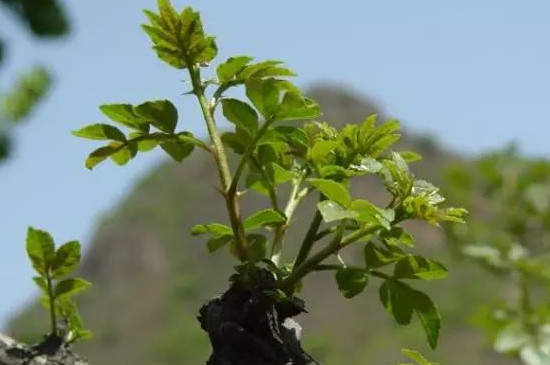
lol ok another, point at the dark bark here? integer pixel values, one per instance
(247, 325)
(50, 352)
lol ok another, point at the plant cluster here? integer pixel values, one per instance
(273, 149)
(53, 266)
(509, 235)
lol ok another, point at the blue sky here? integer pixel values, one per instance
(473, 73)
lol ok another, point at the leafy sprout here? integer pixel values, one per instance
(53, 266)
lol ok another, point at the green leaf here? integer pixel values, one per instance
(370, 165)
(178, 149)
(124, 152)
(280, 175)
(268, 68)
(396, 301)
(241, 114)
(146, 142)
(376, 257)
(397, 235)
(41, 283)
(296, 107)
(418, 267)
(332, 190)
(371, 214)
(429, 316)
(409, 156)
(100, 132)
(40, 250)
(236, 141)
(257, 247)
(322, 150)
(417, 357)
(332, 211)
(70, 287)
(125, 115)
(213, 228)
(264, 95)
(66, 259)
(351, 281)
(335, 172)
(160, 113)
(264, 218)
(401, 300)
(179, 38)
(227, 70)
(217, 242)
(99, 155)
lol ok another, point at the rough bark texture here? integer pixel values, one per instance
(248, 327)
(49, 352)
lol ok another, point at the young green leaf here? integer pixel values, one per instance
(218, 241)
(410, 156)
(418, 267)
(332, 190)
(264, 94)
(41, 283)
(160, 113)
(371, 214)
(40, 250)
(227, 70)
(178, 149)
(417, 357)
(264, 218)
(70, 287)
(179, 39)
(396, 236)
(376, 257)
(332, 211)
(99, 155)
(66, 259)
(101, 132)
(213, 228)
(351, 281)
(125, 115)
(124, 152)
(294, 106)
(241, 114)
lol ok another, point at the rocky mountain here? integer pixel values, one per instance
(150, 276)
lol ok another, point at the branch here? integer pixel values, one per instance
(221, 163)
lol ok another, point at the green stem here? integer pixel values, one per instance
(270, 187)
(309, 239)
(296, 196)
(246, 156)
(333, 247)
(525, 304)
(221, 163)
(53, 315)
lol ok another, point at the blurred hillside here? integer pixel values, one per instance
(150, 276)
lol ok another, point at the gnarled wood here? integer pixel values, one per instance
(49, 352)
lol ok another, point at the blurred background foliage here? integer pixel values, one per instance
(508, 235)
(150, 276)
(43, 19)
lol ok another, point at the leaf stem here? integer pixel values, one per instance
(222, 164)
(51, 297)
